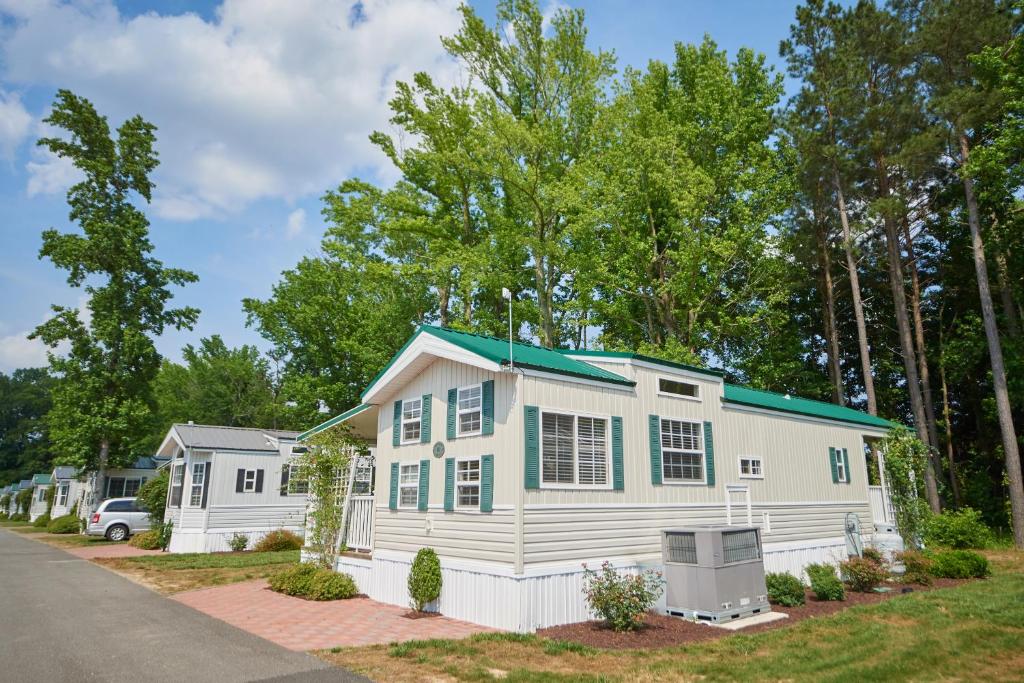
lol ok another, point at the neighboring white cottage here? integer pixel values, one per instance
(117, 482)
(41, 484)
(228, 480)
(67, 489)
(518, 473)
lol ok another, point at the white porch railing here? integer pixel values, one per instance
(359, 534)
(881, 506)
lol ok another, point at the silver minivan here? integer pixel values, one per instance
(117, 519)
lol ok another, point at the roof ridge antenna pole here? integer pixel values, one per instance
(505, 293)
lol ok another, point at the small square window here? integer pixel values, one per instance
(751, 467)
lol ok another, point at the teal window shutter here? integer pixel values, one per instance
(618, 475)
(449, 484)
(531, 421)
(453, 399)
(393, 499)
(835, 466)
(487, 407)
(709, 453)
(846, 461)
(425, 419)
(396, 425)
(486, 483)
(654, 435)
(424, 485)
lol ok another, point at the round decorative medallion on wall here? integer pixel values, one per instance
(438, 449)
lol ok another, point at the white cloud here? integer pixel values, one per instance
(18, 351)
(268, 100)
(296, 223)
(14, 123)
(50, 174)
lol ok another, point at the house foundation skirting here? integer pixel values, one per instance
(218, 540)
(493, 595)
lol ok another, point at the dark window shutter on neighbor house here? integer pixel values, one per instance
(453, 399)
(285, 473)
(239, 481)
(259, 481)
(449, 484)
(206, 482)
(618, 473)
(486, 483)
(487, 408)
(832, 463)
(393, 493)
(424, 494)
(425, 419)
(654, 436)
(531, 421)
(709, 453)
(396, 425)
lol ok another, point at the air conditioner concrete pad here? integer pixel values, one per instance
(763, 618)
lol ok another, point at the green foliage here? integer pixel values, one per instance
(24, 433)
(24, 500)
(238, 542)
(785, 589)
(147, 540)
(102, 402)
(214, 560)
(424, 579)
(824, 582)
(42, 521)
(325, 462)
(67, 524)
(959, 564)
(863, 574)
(278, 540)
(873, 554)
(905, 457)
(917, 567)
(5, 502)
(165, 531)
(153, 496)
(959, 529)
(314, 583)
(19, 517)
(621, 600)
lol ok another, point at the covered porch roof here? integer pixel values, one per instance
(362, 420)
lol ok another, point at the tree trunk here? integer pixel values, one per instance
(1006, 296)
(899, 296)
(829, 302)
(545, 331)
(858, 305)
(995, 351)
(954, 483)
(101, 473)
(444, 294)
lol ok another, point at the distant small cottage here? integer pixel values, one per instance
(116, 482)
(66, 490)
(41, 484)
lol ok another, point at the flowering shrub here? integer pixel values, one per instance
(239, 542)
(621, 599)
(863, 574)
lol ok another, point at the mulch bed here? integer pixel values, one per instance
(413, 614)
(660, 630)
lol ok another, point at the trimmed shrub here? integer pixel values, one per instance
(42, 521)
(147, 540)
(785, 589)
(19, 517)
(917, 567)
(875, 555)
(959, 564)
(621, 599)
(153, 496)
(313, 583)
(68, 524)
(238, 542)
(279, 539)
(825, 583)
(424, 579)
(959, 530)
(862, 574)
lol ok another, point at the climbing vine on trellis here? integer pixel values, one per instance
(905, 461)
(324, 465)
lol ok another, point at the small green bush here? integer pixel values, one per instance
(424, 579)
(917, 567)
(314, 583)
(147, 540)
(280, 539)
(874, 554)
(67, 524)
(958, 530)
(153, 496)
(165, 530)
(621, 600)
(19, 517)
(42, 521)
(959, 564)
(238, 542)
(825, 583)
(785, 589)
(862, 574)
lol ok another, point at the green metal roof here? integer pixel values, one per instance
(640, 356)
(42, 479)
(801, 406)
(333, 421)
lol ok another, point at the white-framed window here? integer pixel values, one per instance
(677, 388)
(412, 419)
(124, 487)
(682, 451)
(177, 481)
(296, 484)
(363, 482)
(249, 481)
(751, 467)
(195, 498)
(62, 494)
(41, 495)
(574, 451)
(409, 485)
(467, 483)
(469, 413)
(841, 473)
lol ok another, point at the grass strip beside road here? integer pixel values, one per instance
(174, 573)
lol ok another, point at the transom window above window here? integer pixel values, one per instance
(682, 451)
(412, 416)
(467, 483)
(574, 450)
(751, 467)
(249, 481)
(676, 387)
(409, 485)
(469, 410)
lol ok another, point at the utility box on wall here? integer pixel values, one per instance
(714, 573)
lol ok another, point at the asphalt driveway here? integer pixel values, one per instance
(63, 618)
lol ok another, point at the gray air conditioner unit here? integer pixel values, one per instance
(714, 573)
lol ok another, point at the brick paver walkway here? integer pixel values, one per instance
(114, 550)
(299, 624)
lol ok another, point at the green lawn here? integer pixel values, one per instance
(6, 523)
(971, 632)
(169, 574)
(213, 560)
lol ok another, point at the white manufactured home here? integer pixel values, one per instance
(230, 480)
(41, 484)
(116, 482)
(66, 490)
(519, 470)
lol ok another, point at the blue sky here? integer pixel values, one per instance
(261, 107)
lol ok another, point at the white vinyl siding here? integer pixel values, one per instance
(682, 451)
(574, 451)
(467, 483)
(469, 404)
(409, 485)
(412, 415)
(195, 498)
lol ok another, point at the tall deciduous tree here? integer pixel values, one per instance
(24, 434)
(103, 399)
